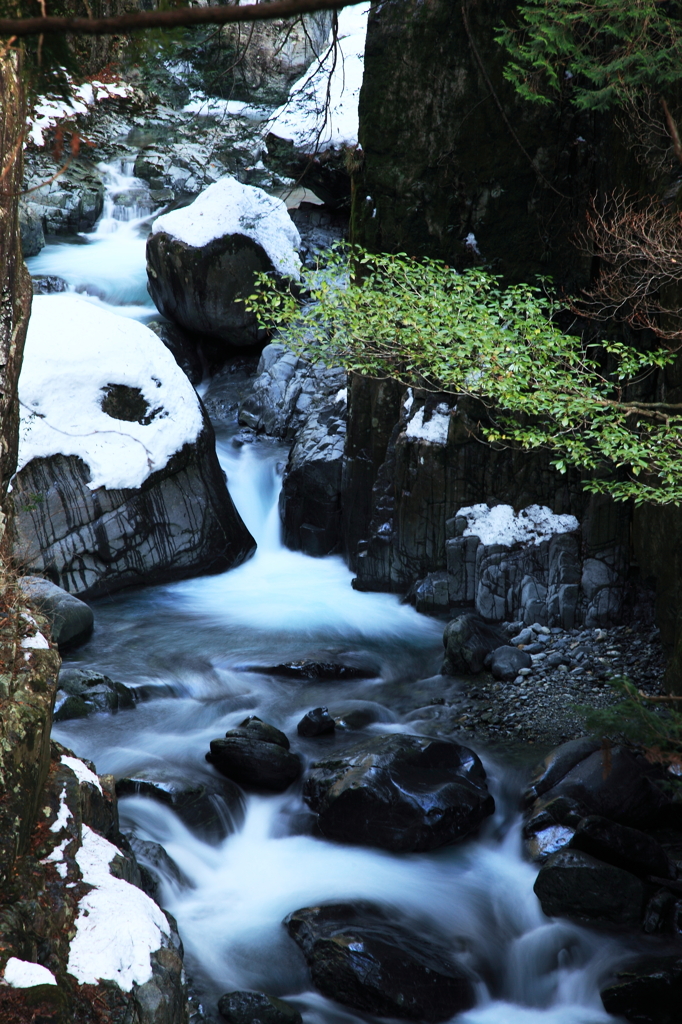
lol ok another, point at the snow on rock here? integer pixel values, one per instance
(74, 350)
(37, 641)
(434, 430)
(25, 974)
(49, 110)
(230, 208)
(322, 109)
(81, 771)
(501, 525)
(118, 926)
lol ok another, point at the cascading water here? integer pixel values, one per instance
(186, 646)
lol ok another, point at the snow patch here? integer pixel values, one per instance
(210, 106)
(230, 208)
(434, 430)
(81, 771)
(35, 642)
(63, 815)
(501, 525)
(74, 349)
(118, 926)
(341, 397)
(25, 974)
(322, 108)
(49, 110)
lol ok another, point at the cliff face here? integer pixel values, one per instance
(449, 149)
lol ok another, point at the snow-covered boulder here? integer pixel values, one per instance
(117, 482)
(202, 259)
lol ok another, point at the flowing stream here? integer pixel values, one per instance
(186, 647)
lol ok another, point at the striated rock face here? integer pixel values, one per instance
(295, 400)
(413, 461)
(179, 523)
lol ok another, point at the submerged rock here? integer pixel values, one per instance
(208, 806)
(362, 957)
(402, 793)
(317, 722)
(252, 1007)
(314, 670)
(255, 754)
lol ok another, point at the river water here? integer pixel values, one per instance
(186, 647)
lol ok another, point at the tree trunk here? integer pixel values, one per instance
(15, 283)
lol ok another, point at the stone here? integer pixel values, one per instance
(179, 523)
(31, 228)
(615, 784)
(401, 793)
(70, 618)
(507, 662)
(255, 754)
(648, 990)
(82, 692)
(252, 1007)
(575, 885)
(183, 347)
(311, 671)
(558, 763)
(360, 956)
(626, 848)
(317, 722)
(467, 640)
(48, 284)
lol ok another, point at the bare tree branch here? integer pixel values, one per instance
(176, 18)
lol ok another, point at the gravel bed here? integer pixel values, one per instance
(570, 668)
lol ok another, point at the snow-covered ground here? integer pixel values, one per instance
(501, 525)
(49, 110)
(230, 208)
(74, 350)
(322, 109)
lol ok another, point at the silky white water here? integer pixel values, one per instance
(190, 648)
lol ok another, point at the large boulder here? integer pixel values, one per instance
(202, 259)
(255, 754)
(468, 640)
(118, 481)
(70, 618)
(402, 793)
(364, 958)
(573, 884)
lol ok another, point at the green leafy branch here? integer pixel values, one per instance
(430, 327)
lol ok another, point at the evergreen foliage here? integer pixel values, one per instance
(428, 326)
(596, 53)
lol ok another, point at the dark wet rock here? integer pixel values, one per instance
(362, 957)
(467, 641)
(314, 670)
(71, 619)
(156, 865)
(81, 692)
(48, 284)
(179, 523)
(255, 754)
(256, 1008)
(317, 722)
(183, 346)
(402, 793)
(507, 662)
(626, 848)
(575, 885)
(558, 763)
(209, 806)
(358, 715)
(646, 991)
(616, 784)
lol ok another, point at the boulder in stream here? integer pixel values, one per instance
(648, 990)
(256, 1008)
(316, 722)
(573, 884)
(206, 805)
(402, 793)
(118, 481)
(202, 259)
(468, 640)
(255, 754)
(71, 619)
(361, 956)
